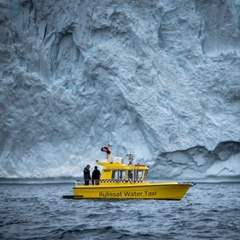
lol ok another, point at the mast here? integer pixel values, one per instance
(130, 158)
(109, 156)
(107, 151)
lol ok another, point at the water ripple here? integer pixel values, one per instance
(210, 211)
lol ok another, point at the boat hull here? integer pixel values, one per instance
(159, 191)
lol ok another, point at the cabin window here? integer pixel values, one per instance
(130, 174)
(118, 175)
(139, 175)
(122, 175)
(115, 175)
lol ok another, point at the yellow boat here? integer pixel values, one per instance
(127, 181)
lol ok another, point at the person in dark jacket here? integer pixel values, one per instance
(96, 176)
(86, 174)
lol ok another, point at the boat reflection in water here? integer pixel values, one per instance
(121, 181)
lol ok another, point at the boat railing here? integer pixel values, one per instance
(109, 181)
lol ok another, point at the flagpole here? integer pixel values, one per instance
(107, 151)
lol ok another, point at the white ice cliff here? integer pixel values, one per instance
(159, 76)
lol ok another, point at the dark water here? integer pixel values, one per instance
(31, 211)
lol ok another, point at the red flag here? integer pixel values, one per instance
(106, 149)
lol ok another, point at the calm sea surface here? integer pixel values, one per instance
(38, 211)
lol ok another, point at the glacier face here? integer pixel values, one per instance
(161, 77)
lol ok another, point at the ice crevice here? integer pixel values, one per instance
(200, 163)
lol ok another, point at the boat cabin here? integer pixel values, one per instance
(119, 172)
(116, 172)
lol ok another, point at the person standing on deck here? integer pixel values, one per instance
(96, 176)
(86, 174)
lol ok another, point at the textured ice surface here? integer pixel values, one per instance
(161, 77)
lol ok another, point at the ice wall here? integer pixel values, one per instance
(161, 77)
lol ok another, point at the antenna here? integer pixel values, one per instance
(130, 157)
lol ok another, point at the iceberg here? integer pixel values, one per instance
(158, 77)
